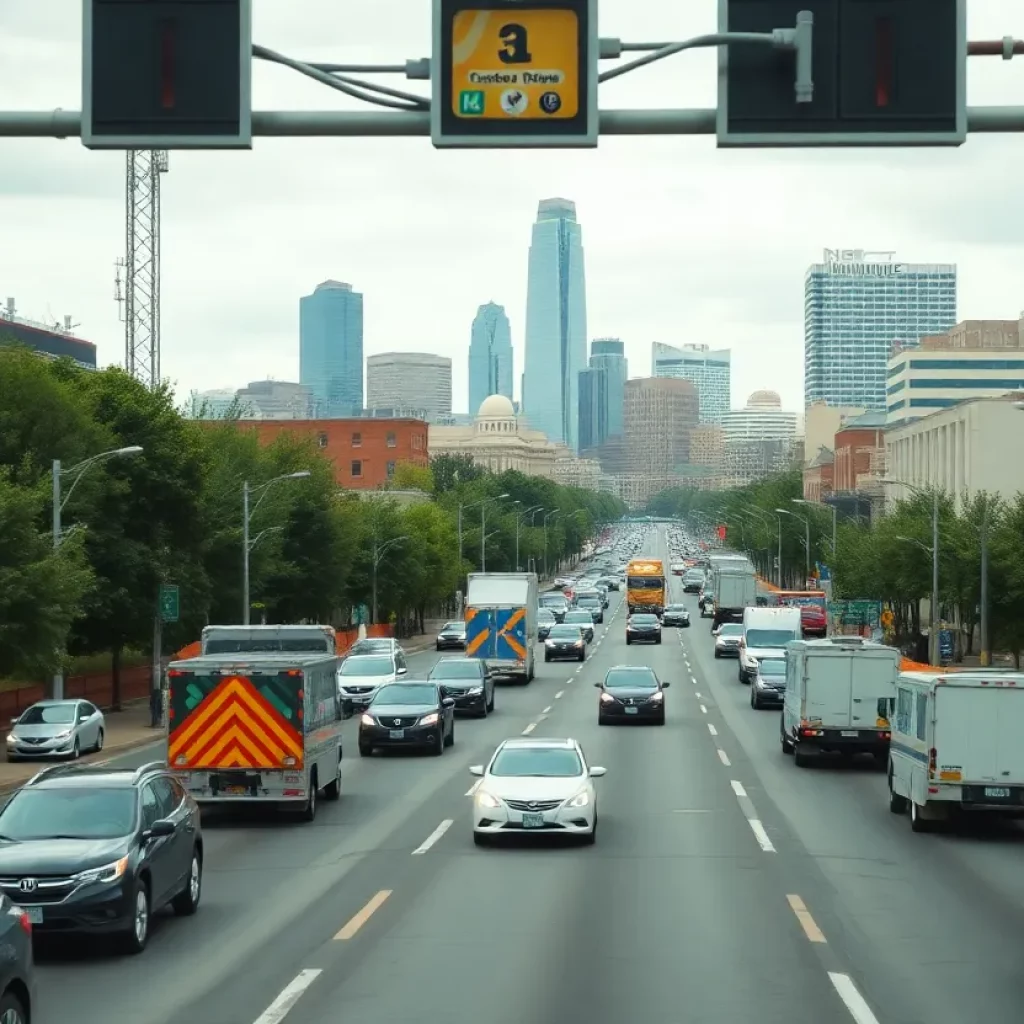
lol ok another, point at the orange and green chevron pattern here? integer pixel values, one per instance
(234, 727)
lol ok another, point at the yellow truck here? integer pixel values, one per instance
(645, 586)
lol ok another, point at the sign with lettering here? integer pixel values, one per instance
(863, 263)
(514, 73)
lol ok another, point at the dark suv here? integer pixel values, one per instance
(468, 682)
(95, 850)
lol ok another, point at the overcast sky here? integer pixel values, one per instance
(683, 243)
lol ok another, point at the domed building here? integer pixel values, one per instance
(498, 441)
(763, 419)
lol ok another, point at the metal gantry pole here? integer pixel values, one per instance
(245, 553)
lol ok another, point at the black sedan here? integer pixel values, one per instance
(631, 693)
(643, 627)
(584, 619)
(545, 620)
(467, 682)
(675, 615)
(565, 643)
(408, 715)
(452, 637)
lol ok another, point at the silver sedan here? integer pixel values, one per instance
(56, 728)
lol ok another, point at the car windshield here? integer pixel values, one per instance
(454, 627)
(578, 617)
(644, 619)
(545, 615)
(456, 670)
(772, 667)
(565, 632)
(536, 762)
(730, 629)
(634, 678)
(676, 608)
(405, 693)
(75, 813)
(368, 666)
(48, 714)
(769, 637)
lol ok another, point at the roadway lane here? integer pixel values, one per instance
(676, 915)
(276, 888)
(931, 922)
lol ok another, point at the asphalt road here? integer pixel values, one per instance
(725, 886)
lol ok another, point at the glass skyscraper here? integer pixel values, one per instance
(857, 305)
(609, 355)
(556, 323)
(709, 370)
(490, 356)
(593, 398)
(331, 349)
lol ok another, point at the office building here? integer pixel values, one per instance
(490, 355)
(858, 305)
(976, 359)
(593, 406)
(761, 419)
(609, 355)
(52, 341)
(275, 400)
(556, 323)
(710, 370)
(331, 348)
(410, 380)
(660, 416)
(215, 404)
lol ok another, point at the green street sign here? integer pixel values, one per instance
(471, 102)
(170, 602)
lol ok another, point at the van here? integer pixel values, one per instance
(766, 631)
(957, 745)
(839, 698)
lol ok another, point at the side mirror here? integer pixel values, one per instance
(447, 702)
(159, 829)
(14, 721)
(596, 773)
(476, 769)
(598, 686)
(665, 684)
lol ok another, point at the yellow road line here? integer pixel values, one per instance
(351, 929)
(803, 915)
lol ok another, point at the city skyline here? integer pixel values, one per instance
(491, 356)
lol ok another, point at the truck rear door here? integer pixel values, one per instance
(827, 694)
(510, 634)
(481, 632)
(978, 730)
(872, 691)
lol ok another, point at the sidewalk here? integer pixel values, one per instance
(126, 730)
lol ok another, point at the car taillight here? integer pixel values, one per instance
(24, 921)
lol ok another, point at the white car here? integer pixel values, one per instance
(535, 785)
(361, 675)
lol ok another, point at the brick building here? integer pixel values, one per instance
(858, 447)
(364, 452)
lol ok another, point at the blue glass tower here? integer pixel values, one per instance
(331, 349)
(490, 356)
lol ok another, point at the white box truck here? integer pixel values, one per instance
(734, 585)
(840, 694)
(501, 621)
(957, 745)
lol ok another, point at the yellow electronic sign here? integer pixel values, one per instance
(514, 73)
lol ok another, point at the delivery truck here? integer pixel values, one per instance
(501, 621)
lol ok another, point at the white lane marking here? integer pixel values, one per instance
(712, 729)
(737, 788)
(697, 695)
(433, 837)
(703, 709)
(546, 710)
(472, 789)
(558, 696)
(724, 758)
(289, 996)
(760, 835)
(529, 728)
(693, 679)
(853, 1000)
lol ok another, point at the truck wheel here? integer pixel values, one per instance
(897, 803)
(801, 759)
(918, 822)
(309, 811)
(787, 743)
(332, 791)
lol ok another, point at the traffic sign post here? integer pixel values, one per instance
(514, 73)
(167, 74)
(170, 602)
(885, 72)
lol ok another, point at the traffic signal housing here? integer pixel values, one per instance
(886, 73)
(167, 74)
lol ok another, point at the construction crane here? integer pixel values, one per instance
(137, 277)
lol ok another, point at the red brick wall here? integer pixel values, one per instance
(361, 450)
(853, 451)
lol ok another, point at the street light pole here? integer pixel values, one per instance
(933, 632)
(553, 512)
(985, 653)
(379, 551)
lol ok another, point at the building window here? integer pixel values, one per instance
(357, 468)
(417, 441)
(392, 439)
(357, 440)
(391, 470)
(321, 440)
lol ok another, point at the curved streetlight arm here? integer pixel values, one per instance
(264, 489)
(259, 536)
(917, 543)
(384, 548)
(79, 469)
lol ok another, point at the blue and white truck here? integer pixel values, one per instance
(501, 621)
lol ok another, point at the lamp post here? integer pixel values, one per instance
(248, 511)
(835, 516)
(483, 529)
(379, 551)
(77, 471)
(520, 516)
(807, 538)
(778, 569)
(553, 512)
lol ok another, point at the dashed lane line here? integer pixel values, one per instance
(737, 788)
(433, 837)
(529, 728)
(288, 997)
(472, 789)
(703, 710)
(712, 729)
(547, 710)
(755, 823)
(558, 696)
(724, 757)
(807, 922)
(852, 999)
(356, 922)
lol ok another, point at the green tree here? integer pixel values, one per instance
(452, 471)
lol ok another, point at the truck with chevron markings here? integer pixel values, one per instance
(501, 621)
(256, 728)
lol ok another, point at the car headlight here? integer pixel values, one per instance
(367, 720)
(484, 799)
(106, 873)
(657, 696)
(579, 643)
(579, 800)
(430, 719)
(66, 734)
(607, 698)
(475, 691)
(11, 738)
(550, 643)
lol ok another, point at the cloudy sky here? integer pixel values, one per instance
(683, 243)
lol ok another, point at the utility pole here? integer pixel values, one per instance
(986, 652)
(933, 632)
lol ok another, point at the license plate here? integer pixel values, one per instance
(235, 790)
(533, 821)
(632, 711)
(997, 792)
(34, 914)
(398, 734)
(852, 733)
